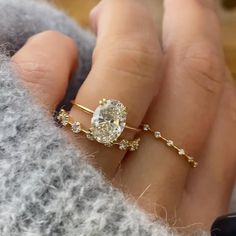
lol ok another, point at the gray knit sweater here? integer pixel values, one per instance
(46, 186)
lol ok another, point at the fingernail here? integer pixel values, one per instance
(224, 226)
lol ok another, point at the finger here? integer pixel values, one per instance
(185, 106)
(181, 35)
(213, 182)
(46, 66)
(126, 63)
(152, 5)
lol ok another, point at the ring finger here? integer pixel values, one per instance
(126, 62)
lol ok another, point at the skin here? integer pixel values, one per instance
(180, 85)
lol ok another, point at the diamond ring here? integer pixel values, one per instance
(125, 145)
(108, 123)
(108, 120)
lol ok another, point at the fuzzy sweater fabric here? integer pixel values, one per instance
(46, 186)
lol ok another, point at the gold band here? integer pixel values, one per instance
(91, 112)
(83, 108)
(170, 143)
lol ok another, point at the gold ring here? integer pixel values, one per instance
(125, 145)
(109, 103)
(170, 143)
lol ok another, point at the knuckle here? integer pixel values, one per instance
(138, 61)
(205, 67)
(53, 36)
(32, 72)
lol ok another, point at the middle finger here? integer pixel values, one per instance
(184, 108)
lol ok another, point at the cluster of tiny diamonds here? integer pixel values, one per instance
(63, 117)
(132, 146)
(65, 120)
(125, 145)
(171, 144)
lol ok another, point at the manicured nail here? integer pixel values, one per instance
(224, 226)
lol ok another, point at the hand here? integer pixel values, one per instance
(180, 86)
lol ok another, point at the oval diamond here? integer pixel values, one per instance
(108, 121)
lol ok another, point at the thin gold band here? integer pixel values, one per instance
(181, 152)
(91, 112)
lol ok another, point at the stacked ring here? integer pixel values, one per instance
(181, 152)
(108, 123)
(107, 104)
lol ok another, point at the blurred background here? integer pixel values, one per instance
(79, 10)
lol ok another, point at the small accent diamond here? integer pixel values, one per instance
(181, 152)
(190, 160)
(146, 127)
(134, 145)
(89, 136)
(65, 120)
(63, 117)
(124, 144)
(61, 114)
(170, 143)
(76, 127)
(157, 134)
(195, 165)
